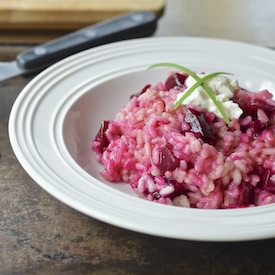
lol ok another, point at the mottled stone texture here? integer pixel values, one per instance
(40, 235)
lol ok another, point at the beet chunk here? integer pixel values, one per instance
(199, 125)
(168, 162)
(251, 102)
(180, 188)
(247, 196)
(175, 80)
(256, 126)
(267, 180)
(101, 141)
(156, 195)
(142, 91)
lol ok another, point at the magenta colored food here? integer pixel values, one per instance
(101, 141)
(189, 157)
(175, 80)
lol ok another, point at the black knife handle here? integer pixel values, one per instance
(132, 25)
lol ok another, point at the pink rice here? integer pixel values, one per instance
(150, 146)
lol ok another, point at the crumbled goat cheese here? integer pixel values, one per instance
(223, 88)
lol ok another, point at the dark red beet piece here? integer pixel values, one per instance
(142, 91)
(168, 162)
(251, 102)
(192, 120)
(208, 134)
(256, 125)
(156, 195)
(199, 126)
(180, 188)
(247, 196)
(267, 180)
(175, 80)
(101, 140)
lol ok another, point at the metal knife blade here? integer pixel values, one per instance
(9, 70)
(132, 25)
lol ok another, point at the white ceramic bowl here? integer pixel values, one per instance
(59, 112)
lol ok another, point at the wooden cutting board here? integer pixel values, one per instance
(66, 14)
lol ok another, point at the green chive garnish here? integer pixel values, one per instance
(175, 66)
(190, 90)
(200, 82)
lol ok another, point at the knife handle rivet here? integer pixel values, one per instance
(137, 17)
(91, 33)
(40, 50)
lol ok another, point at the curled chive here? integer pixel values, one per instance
(175, 66)
(190, 90)
(200, 82)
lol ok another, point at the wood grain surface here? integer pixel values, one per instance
(40, 235)
(251, 21)
(66, 14)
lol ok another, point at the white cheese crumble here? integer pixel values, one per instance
(223, 88)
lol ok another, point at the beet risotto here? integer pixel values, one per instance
(190, 156)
